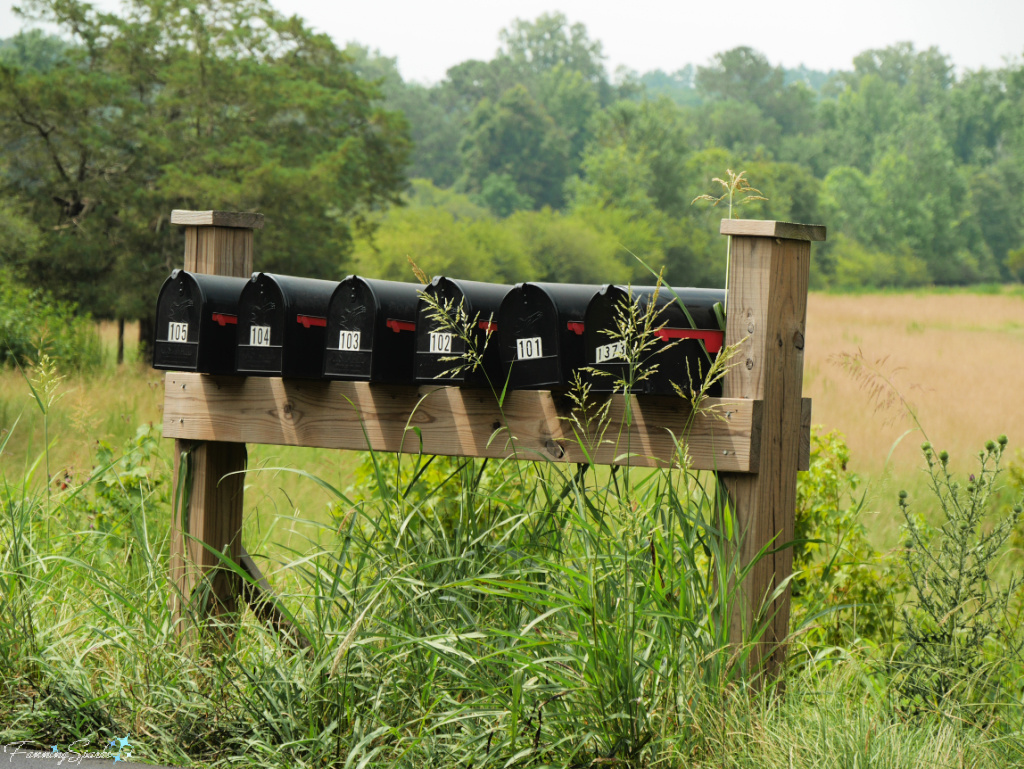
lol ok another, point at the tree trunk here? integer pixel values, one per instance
(147, 325)
(120, 341)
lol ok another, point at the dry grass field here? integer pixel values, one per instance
(957, 358)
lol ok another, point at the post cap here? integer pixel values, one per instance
(769, 229)
(217, 219)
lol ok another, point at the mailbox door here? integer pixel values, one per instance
(261, 327)
(179, 308)
(440, 349)
(305, 325)
(395, 331)
(196, 317)
(674, 356)
(603, 349)
(350, 326)
(371, 328)
(540, 327)
(682, 361)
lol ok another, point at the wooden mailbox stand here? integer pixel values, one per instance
(757, 436)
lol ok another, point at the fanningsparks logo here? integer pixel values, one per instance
(119, 749)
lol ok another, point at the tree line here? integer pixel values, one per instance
(536, 164)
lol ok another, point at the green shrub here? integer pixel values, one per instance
(957, 638)
(32, 322)
(839, 576)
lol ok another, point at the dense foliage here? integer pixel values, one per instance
(917, 171)
(535, 164)
(181, 104)
(33, 322)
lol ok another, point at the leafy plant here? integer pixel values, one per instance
(123, 482)
(32, 323)
(843, 587)
(956, 634)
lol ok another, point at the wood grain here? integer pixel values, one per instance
(207, 523)
(453, 422)
(217, 219)
(767, 318)
(770, 229)
(219, 251)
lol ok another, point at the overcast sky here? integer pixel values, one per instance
(429, 36)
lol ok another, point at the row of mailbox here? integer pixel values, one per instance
(385, 331)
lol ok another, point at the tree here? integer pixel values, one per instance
(679, 86)
(516, 137)
(741, 74)
(924, 77)
(760, 102)
(435, 114)
(922, 201)
(184, 104)
(536, 47)
(977, 116)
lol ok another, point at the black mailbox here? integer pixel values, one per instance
(196, 316)
(371, 330)
(676, 351)
(282, 326)
(437, 344)
(540, 333)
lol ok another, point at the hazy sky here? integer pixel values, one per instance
(429, 36)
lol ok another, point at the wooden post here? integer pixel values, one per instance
(768, 311)
(210, 508)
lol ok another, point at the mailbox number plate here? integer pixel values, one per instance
(529, 348)
(349, 341)
(259, 336)
(440, 342)
(606, 352)
(177, 332)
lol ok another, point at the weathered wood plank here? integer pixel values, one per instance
(770, 229)
(454, 422)
(217, 219)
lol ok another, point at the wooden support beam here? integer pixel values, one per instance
(216, 243)
(208, 523)
(454, 422)
(767, 316)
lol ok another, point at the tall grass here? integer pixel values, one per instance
(463, 613)
(452, 613)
